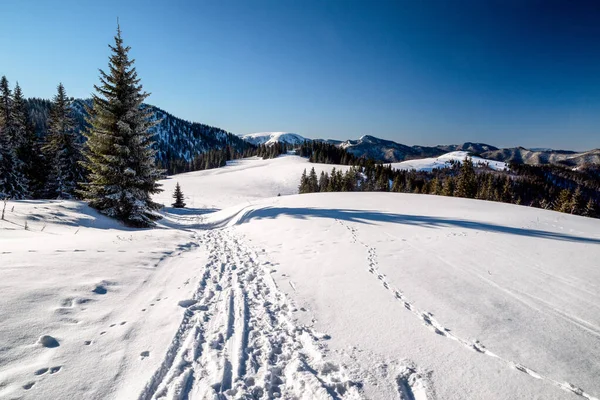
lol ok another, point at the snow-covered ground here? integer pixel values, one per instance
(443, 161)
(321, 296)
(269, 138)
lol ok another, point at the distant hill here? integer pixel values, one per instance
(268, 138)
(563, 157)
(386, 150)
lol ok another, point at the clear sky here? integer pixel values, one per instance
(503, 72)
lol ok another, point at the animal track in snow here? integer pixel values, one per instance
(437, 328)
(48, 341)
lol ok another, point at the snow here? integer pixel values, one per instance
(443, 161)
(320, 296)
(268, 138)
(242, 181)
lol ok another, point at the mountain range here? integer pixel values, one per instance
(383, 150)
(179, 139)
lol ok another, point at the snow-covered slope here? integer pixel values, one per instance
(443, 161)
(269, 138)
(321, 296)
(242, 181)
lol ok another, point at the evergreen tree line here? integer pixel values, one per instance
(218, 157)
(31, 165)
(548, 187)
(326, 153)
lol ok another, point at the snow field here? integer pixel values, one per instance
(323, 296)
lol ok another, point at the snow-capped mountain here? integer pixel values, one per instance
(386, 150)
(268, 138)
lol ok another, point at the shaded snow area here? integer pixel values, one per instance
(443, 161)
(319, 296)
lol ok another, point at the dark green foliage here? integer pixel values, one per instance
(13, 183)
(178, 196)
(119, 150)
(591, 209)
(325, 153)
(62, 149)
(466, 185)
(547, 187)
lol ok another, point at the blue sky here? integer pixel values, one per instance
(503, 72)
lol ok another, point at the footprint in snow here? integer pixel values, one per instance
(99, 289)
(48, 341)
(28, 385)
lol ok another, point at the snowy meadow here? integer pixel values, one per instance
(255, 292)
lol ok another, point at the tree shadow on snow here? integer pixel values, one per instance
(371, 217)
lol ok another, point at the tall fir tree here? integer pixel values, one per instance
(12, 182)
(178, 196)
(466, 186)
(62, 149)
(591, 210)
(119, 151)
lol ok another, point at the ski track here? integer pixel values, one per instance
(406, 391)
(237, 338)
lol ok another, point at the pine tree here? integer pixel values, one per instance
(28, 146)
(324, 182)
(563, 203)
(178, 196)
(467, 183)
(313, 181)
(576, 206)
(591, 209)
(62, 149)
(119, 149)
(448, 188)
(12, 182)
(304, 187)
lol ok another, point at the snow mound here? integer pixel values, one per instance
(269, 138)
(443, 161)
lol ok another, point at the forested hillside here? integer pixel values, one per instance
(177, 141)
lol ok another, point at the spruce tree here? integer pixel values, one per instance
(62, 149)
(576, 202)
(563, 203)
(27, 146)
(304, 187)
(12, 182)
(467, 183)
(119, 150)
(590, 209)
(313, 181)
(178, 196)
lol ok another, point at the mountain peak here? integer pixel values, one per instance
(268, 138)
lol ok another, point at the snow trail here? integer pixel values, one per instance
(436, 327)
(237, 338)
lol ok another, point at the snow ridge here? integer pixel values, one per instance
(269, 138)
(430, 322)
